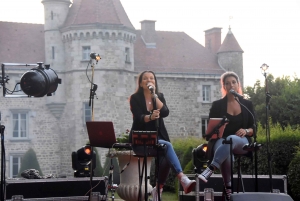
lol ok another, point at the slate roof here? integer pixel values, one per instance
(175, 52)
(97, 12)
(230, 44)
(21, 43)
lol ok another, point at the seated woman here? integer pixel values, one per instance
(240, 129)
(145, 118)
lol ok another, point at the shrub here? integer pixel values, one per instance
(29, 161)
(294, 175)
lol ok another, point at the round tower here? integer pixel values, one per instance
(230, 56)
(55, 12)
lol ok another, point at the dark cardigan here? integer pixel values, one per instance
(219, 109)
(139, 110)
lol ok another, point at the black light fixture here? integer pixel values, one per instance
(200, 161)
(95, 56)
(39, 81)
(82, 160)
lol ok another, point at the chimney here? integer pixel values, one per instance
(213, 39)
(148, 33)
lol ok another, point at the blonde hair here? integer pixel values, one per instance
(223, 78)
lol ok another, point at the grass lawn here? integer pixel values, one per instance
(165, 196)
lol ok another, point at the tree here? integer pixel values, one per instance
(29, 161)
(284, 105)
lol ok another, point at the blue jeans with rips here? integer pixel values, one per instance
(167, 159)
(222, 158)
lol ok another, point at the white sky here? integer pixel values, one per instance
(267, 30)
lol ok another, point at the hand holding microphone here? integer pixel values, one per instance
(151, 87)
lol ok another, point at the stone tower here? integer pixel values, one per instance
(72, 32)
(230, 56)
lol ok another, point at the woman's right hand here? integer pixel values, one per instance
(155, 114)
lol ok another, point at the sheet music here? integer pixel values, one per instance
(213, 122)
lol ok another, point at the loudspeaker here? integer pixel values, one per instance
(260, 197)
(55, 187)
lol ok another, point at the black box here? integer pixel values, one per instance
(216, 183)
(55, 187)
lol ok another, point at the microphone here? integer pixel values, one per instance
(151, 88)
(235, 93)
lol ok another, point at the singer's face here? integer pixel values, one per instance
(231, 83)
(148, 78)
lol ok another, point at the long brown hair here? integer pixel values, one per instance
(140, 89)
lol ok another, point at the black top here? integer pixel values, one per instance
(235, 123)
(219, 109)
(139, 110)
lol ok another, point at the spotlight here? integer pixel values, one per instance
(39, 81)
(95, 56)
(82, 160)
(200, 161)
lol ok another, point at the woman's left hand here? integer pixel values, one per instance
(241, 132)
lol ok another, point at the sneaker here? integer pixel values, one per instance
(228, 192)
(187, 184)
(205, 174)
(155, 194)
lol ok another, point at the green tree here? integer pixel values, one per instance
(98, 172)
(284, 104)
(29, 161)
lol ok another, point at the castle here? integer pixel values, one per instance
(53, 126)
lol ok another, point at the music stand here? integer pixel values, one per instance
(145, 139)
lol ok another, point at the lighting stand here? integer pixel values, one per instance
(264, 68)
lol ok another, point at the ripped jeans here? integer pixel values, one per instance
(167, 159)
(222, 158)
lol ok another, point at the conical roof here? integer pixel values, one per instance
(230, 44)
(97, 12)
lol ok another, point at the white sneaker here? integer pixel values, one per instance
(187, 184)
(155, 194)
(205, 174)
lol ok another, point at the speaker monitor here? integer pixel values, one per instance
(260, 197)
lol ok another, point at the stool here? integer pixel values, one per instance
(239, 169)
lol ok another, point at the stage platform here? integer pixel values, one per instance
(56, 188)
(215, 182)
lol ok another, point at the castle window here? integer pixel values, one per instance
(15, 164)
(87, 112)
(53, 52)
(20, 124)
(86, 51)
(204, 123)
(206, 93)
(127, 55)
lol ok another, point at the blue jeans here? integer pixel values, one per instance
(222, 159)
(167, 159)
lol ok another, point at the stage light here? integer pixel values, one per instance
(82, 160)
(39, 81)
(200, 161)
(95, 56)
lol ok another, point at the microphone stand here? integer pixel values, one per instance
(2, 128)
(254, 146)
(268, 98)
(157, 145)
(91, 104)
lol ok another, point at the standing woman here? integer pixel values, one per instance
(240, 129)
(144, 119)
